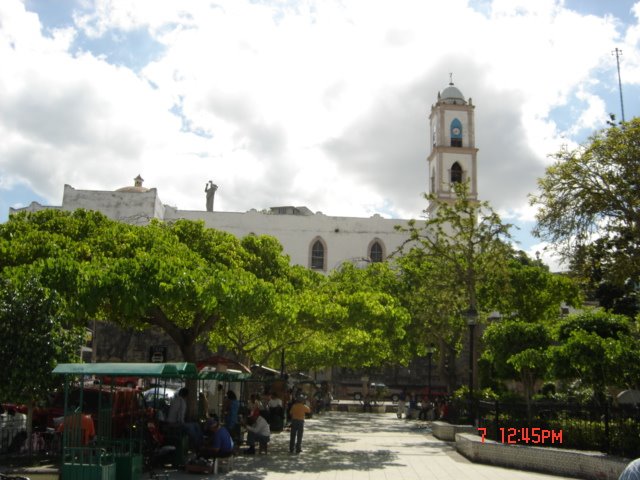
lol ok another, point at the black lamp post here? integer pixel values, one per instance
(472, 320)
(430, 350)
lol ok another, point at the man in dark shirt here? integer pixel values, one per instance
(218, 442)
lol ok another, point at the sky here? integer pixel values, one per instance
(317, 103)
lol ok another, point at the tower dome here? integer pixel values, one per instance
(452, 95)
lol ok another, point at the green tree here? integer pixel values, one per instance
(180, 277)
(260, 338)
(367, 326)
(598, 348)
(434, 304)
(455, 254)
(36, 335)
(516, 350)
(590, 208)
(530, 292)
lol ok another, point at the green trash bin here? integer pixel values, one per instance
(88, 464)
(181, 442)
(128, 467)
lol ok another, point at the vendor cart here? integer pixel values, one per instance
(104, 441)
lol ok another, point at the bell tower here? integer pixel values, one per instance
(452, 154)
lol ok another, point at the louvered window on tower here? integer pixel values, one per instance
(456, 173)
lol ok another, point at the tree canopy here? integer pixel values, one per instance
(589, 203)
(598, 348)
(36, 335)
(516, 350)
(530, 292)
(202, 285)
(446, 262)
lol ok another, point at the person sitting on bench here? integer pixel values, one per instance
(218, 442)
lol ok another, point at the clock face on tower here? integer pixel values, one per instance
(455, 131)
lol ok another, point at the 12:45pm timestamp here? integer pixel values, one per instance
(533, 435)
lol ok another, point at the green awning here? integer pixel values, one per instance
(185, 369)
(165, 370)
(226, 376)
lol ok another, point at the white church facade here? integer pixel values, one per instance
(314, 240)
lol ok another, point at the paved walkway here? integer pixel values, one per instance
(359, 446)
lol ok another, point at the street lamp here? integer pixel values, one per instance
(472, 320)
(430, 349)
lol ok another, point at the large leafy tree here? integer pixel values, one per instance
(516, 350)
(180, 277)
(367, 324)
(434, 303)
(530, 292)
(36, 335)
(598, 348)
(293, 318)
(449, 259)
(589, 203)
(198, 284)
(529, 302)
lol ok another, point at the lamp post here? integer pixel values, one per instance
(430, 349)
(472, 320)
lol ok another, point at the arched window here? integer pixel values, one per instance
(376, 253)
(456, 173)
(317, 255)
(456, 133)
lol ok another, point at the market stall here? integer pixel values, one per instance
(102, 427)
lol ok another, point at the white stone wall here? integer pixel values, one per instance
(346, 238)
(556, 461)
(131, 207)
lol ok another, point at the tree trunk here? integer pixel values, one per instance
(188, 350)
(30, 425)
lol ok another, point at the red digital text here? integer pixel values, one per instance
(526, 435)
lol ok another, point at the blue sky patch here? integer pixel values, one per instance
(17, 196)
(54, 14)
(133, 49)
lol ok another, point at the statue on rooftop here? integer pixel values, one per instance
(210, 190)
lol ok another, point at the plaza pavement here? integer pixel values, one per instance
(362, 446)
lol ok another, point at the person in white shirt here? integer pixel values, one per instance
(177, 415)
(275, 401)
(257, 431)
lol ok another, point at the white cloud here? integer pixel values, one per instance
(323, 104)
(544, 251)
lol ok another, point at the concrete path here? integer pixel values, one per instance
(359, 446)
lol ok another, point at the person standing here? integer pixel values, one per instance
(276, 413)
(297, 414)
(177, 416)
(401, 402)
(231, 409)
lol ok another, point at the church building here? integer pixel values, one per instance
(314, 240)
